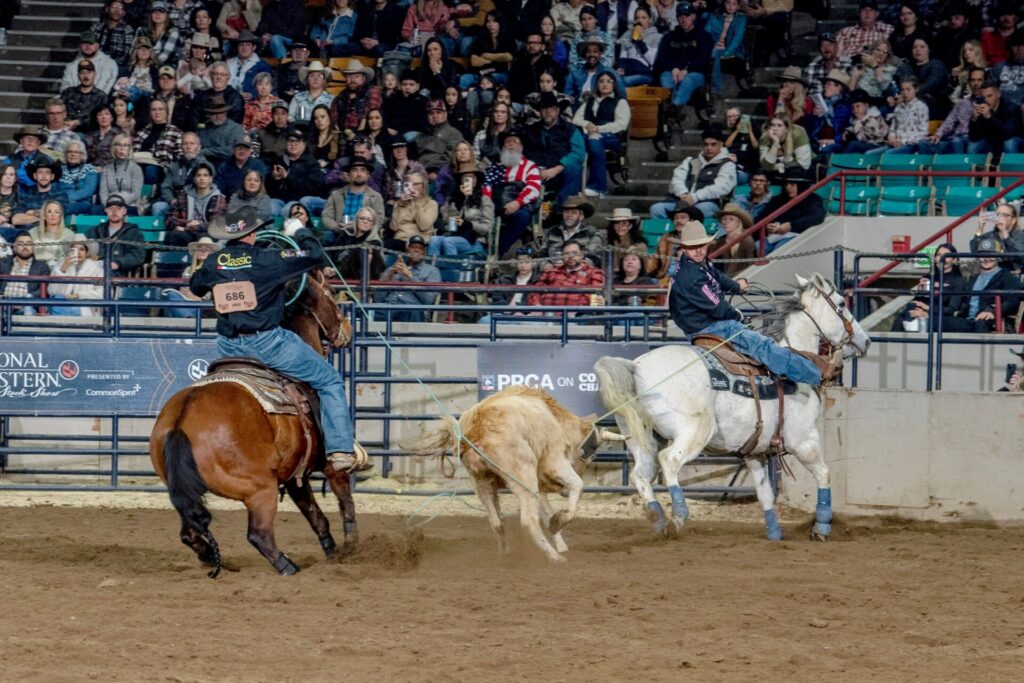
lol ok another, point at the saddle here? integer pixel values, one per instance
(734, 361)
(276, 392)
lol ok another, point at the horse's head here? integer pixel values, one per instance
(827, 309)
(316, 313)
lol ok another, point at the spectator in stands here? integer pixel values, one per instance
(438, 142)
(557, 147)
(113, 33)
(342, 205)
(791, 100)
(252, 193)
(853, 39)
(50, 234)
(272, 136)
(566, 18)
(467, 216)
(684, 55)
(590, 33)
(45, 173)
(784, 145)
(237, 16)
(514, 186)
(576, 211)
(773, 17)
(755, 201)
(954, 285)
(977, 311)
(122, 176)
(932, 78)
(575, 271)
(831, 120)
(79, 260)
(179, 107)
(741, 143)
(604, 120)
(423, 19)
(57, 129)
(638, 49)
(399, 165)
(127, 252)
(315, 76)
(350, 107)
(827, 60)
(876, 73)
(299, 212)
(548, 84)
(994, 41)
(106, 67)
(668, 249)
(379, 27)
(630, 273)
(78, 179)
(951, 34)
(910, 29)
(139, 83)
(1007, 232)
(727, 28)
(288, 81)
(223, 94)
(952, 136)
(230, 173)
(411, 268)
(8, 200)
(295, 175)
(485, 143)
(1010, 74)
(414, 213)
(325, 142)
(22, 262)
(166, 39)
(202, 29)
(705, 180)
(101, 137)
(582, 81)
(333, 33)
(83, 99)
(259, 110)
(136, 12)
(221, 134)
(282, 23)
(867, 129)
(375, 133)
(246, 65)
(909, 120)
(360, 148)
(437, 72)
(177, 174)
(491, 53)
(30, 139)
(180, 14)
(555, 46)
(159, 144)
(526, 68)
(526, 274)
(970, 58)
(624, 233)
(199, 251)
(734, 222)
(446, 183)
(363, 232)
(200, 202)
(796, 219)
(406, 111)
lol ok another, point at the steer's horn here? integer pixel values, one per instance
(609, 435)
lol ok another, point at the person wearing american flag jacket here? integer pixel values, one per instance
(514, 185)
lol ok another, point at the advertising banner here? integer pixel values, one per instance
(565, 372)
(58, 375)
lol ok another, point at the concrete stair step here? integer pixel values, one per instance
(53, 8)
(48, 38)
(40, 53)
(62, 24)
(14, 99)
(21, 115)
(13, 82)
(33, 69)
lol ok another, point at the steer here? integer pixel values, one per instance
(523, 439)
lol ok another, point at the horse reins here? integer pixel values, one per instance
(340, 337)
(847, 325)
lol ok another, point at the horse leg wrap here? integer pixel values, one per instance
(823, 513)
(679, 508)
(328, 544)
(284, 566)
(656, 514)
(771, 525)
(350, 531)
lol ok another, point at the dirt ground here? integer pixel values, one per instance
(108, 593)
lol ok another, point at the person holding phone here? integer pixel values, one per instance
(414, 213)
(466, 218)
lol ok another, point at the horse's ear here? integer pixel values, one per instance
(820, 281)
(801, 281)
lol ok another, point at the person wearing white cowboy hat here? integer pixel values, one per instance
(316, 76)
(351, 104)
(246, 65)
(698, 305)
(80, 260)
(624, 233)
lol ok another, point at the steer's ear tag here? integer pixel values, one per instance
(231, 297)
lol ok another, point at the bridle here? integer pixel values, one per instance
(847, 325)
(341, 337)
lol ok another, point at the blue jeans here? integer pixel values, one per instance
(636, 79)
(716, 71)
(684, 90)
(448, 245)
(954, 145)
(568, 183)
(467, 81)
(597, 159)
(174, 295)
(68, 310)
(661, 209)
(513, 227)
(777, 359)
(279, 46)
(283, 350)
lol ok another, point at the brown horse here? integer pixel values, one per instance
(217, 438)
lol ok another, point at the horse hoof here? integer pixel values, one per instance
(821, 532)
(329, 546)
(656, 514)
(678, 523)
(291, 570)
(774, 535)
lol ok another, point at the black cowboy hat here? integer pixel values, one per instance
(548, 99)
(236, 224)
(797, 175)
(693, 212)
(43, 161)
(510, 133)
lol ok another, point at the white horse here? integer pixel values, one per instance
(669, 390)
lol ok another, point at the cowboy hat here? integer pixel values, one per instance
(691, 211)
(203, 40)
(694, 235)
(579, 202)
(622, 214)
(203, 241)
(216, 105)
(354, 66)
(548, 99)
(315, 67)
(796, 175)
(233, 225)
(30, 130)
(733, 209)
(581, 48)
(470, 168)
(247, 36)
(793, 73)
(839, 76)
(43, 161)
(504, 135)
(92, 248)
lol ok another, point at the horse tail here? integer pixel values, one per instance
(437, 442)
(187, 488)
(615, 376)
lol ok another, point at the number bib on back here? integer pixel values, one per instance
(231, 297)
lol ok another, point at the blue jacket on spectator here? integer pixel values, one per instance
(335, 29)
(734, 38)
(578, 77)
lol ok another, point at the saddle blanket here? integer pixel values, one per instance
(276, 393)
(723, 380)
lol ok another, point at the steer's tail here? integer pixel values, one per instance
(437, 442)
(187, 490)
(619, 395)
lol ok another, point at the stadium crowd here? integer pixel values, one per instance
(431, 130)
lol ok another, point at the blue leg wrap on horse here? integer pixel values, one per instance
(771, 525)
(658, 515)
(823, 513)
(679, 508)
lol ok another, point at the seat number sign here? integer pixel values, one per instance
(231, 297)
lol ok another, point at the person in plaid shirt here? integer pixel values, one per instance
(828, 59)
(114, 34)
(853, 39)
(574, 271)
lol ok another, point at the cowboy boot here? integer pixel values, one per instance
(357, 461)
(828, 369)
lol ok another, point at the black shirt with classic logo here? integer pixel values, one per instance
(268, 269)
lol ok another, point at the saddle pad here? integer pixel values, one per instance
(276, 393)
(734, 361)
(723, 380)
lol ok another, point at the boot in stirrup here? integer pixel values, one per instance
(357, 461)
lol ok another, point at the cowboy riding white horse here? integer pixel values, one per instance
(672, 392)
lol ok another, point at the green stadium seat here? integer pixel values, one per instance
(960, 200)
(853, 162)
(81, 222)
(906, 200)
(904, 162)
(1011, 163)
(957, 162)
(170, 263)
(860, 200)
(652, 229)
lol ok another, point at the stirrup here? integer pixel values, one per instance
(357, 461)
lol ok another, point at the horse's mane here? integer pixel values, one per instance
(301, 305)
(781, 308)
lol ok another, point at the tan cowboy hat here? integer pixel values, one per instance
(733, 209)
(579, 202)
(793, 73)
(839, 76)
(581, 48)
(30, 130)
(623, 214)
(200, 40)
(354, 66)
(91, 246)
(694, 235)
(471, 167)
(203, 241)
(315, 66)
